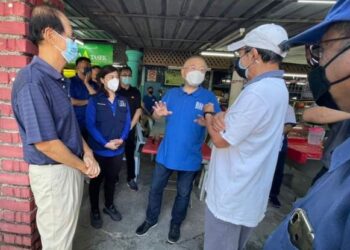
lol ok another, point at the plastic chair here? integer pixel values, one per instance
(204, 175)
(140, 140)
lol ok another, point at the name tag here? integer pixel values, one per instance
(121, 103)
(199, 106)
(102, 104)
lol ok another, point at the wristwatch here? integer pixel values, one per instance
(206, 113)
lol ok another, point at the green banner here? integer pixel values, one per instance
(99, 53)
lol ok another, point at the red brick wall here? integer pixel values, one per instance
(17, 207)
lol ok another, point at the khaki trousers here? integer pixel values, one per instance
(58, 191)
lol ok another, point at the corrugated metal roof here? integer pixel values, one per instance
(184, 24)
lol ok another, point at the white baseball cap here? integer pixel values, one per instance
(266, 36)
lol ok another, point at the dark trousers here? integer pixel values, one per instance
(184, 184)
(110, 167)
(129, 155)
(322, 171)
(278, 176)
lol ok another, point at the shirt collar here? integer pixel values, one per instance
(195, 93)
(47, 68)
(273, 74)
(340, 155)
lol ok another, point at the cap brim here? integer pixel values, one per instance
(236, 46)
(310, 36)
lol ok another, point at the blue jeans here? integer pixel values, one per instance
(184, 184)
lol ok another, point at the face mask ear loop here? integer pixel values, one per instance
(336, 56)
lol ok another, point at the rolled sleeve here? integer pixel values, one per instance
(35, 115)
(244, 118)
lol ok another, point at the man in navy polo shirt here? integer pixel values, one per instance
(321, 219)
(52, 143)
(180, 150)
(81, 87)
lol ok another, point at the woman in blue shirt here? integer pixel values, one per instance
(108, 124)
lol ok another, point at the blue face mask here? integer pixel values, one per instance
(71, 51)
(126, 80)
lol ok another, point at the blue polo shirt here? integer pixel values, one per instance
(181, 146)
(79, 91)
(43, 111)
(327, 205)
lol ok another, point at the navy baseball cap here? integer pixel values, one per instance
(339, 12)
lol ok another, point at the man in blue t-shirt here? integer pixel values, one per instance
(180, 150)
(81, 87)
(148, 101)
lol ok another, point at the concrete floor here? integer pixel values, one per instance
(132, 205)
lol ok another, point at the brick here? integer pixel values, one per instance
(14, 28)
(8, 123)
(19, 45)
(18, 217)
(17, 192)
(5, 94)
(24, 240)
(16, 228)
(6, 77)
(10, 138)
(11, 151)
(17, 205)
(15, 9)
(14, 166)
(5, 109)
(14, 61)
(14, 179)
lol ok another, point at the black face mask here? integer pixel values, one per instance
(320, 85)
(150, 92)
(240, 71)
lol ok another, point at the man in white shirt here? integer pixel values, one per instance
(246, 142)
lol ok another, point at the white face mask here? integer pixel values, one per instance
(113, 84)
(195, 78)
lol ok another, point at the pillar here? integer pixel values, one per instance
(17, 207)
(133, 62)
(236, 87)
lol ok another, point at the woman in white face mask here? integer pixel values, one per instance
(108, 124)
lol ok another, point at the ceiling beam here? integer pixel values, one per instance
(203, 18)
(167, 39)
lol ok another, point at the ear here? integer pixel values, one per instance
(48, 35)
(102, 80)
(255, 54)
(183, 73)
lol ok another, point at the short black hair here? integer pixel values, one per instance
(43, 17)
(96, 67)
(150, 87)
(267, 55)
(80, 59)
(126, 68)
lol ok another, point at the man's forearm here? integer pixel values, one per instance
(86, 147)
(58, 152)
(215, 136)
(91, 90)
(324, 115)
(76, 102)
(136, 118)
